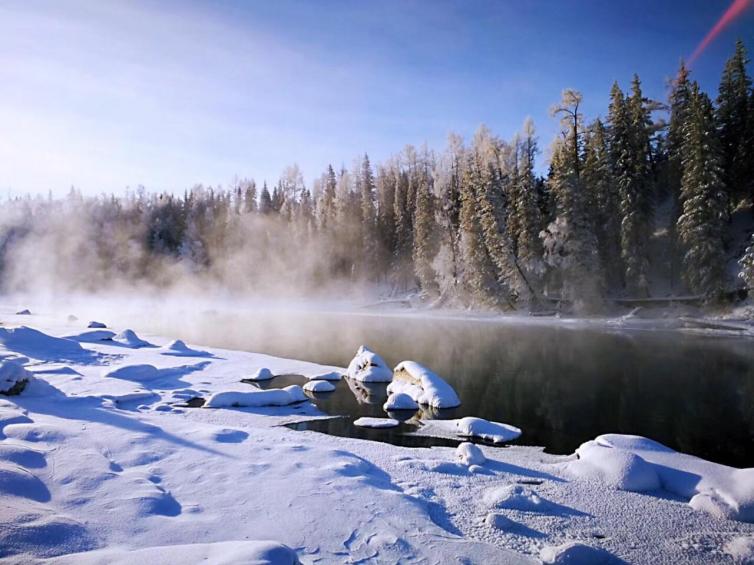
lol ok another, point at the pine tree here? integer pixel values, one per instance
(529, 245)
(734, 124)
(628, 170)
(747, 266)
(368, 220)
(265, 200)
(404, 233)
(328, 208)
(250, 197)
(479, 271)
(602, 200)
(425, 245)
(569, 241)
(703, 198)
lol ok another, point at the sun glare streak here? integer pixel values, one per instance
(736, 8)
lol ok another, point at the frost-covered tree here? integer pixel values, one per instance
(602, 201)
(265, 200)
(569, 242)
(703, 199)
(327, 208)
(735, 122)
(747, 265)
(425, 246)
(526, 207)
(627, 155)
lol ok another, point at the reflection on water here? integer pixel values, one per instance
(560, 385)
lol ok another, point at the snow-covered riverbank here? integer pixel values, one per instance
(98, 456)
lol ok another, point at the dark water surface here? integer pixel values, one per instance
(561, 385)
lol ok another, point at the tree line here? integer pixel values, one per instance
(639, 199)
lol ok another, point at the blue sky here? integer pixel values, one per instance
(167, 94)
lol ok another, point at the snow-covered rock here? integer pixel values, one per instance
(468, 427)
(470, 454)
(13, 377)
(400, 401)
(257, 398)
(499, 521)
(424, 386)
(486, 430)
(24, 312)
(376, 422)
(178, 348)
(130, 339)
(263, 374)
(92, 336)
(140, 372)
(615, 467)
(367, 366)
(319, 386)
(713, 488)
(328, 376)
(97, 325)
(515, 497)
(575, 553)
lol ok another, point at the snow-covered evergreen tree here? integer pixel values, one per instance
(747, 266)
(735, 123)
(703, 199)
(425, 246)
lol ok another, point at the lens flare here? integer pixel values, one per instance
(734, 10)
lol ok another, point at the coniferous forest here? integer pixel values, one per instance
(636, 203)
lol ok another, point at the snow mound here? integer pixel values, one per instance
(741, 549)
(263, 374)
(319, 386)
(710, 487)
(376, 423)
(34, 343)
(13, 377)
(130, 339)
(424, 386)
(97, 325)
(470, 454)
(577, 554)
(329, 376)
(399, 401)
(499, 521)
(257, 398)
(218, 553)
(17, 481)
(617, 468)
(134, 373)
(92, 336)
(179, 348)
(515, 497)
(367, 366)
(486, 430)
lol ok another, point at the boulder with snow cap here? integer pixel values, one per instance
(130, 339)
(96, 325)
(486, 430)
(367, 366)
(470, 454)
(400, 401)
(319, 386)
(575, 553)
(617, 468)
(424, 386)
(13, 377)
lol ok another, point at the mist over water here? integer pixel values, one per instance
(561, 384)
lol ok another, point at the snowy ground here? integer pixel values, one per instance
(96, 457)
